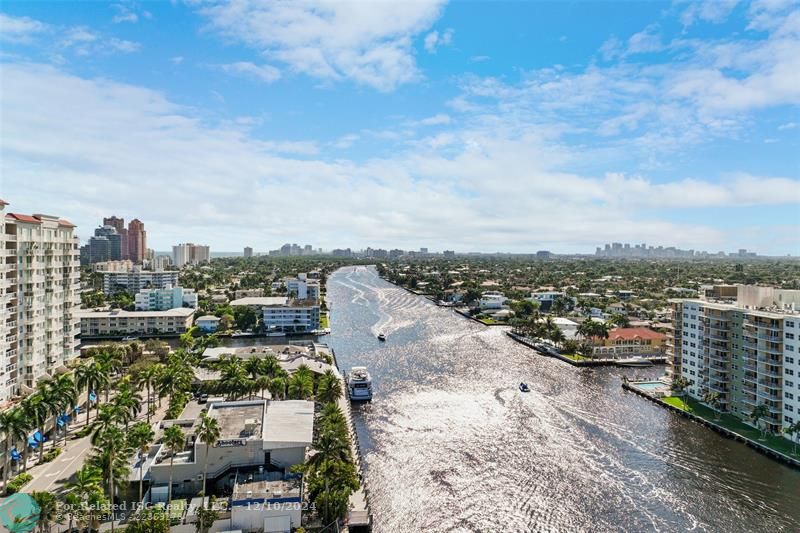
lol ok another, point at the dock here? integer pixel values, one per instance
(359, 517)
(658, 360)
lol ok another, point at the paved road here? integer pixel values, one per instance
(53, 476)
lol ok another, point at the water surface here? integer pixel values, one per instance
(451, 444)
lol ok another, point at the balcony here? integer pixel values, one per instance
(11, 338)
(719, 388)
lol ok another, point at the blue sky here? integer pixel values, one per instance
(478, 126)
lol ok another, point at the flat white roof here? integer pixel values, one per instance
(290, 422)
(118, 313)
(261, 300)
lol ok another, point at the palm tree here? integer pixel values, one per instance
(85, 489)
(208, 431)
(712, 399)
(36, 408)
(148, 377)
(139, 437)
(110, 359)
(48, 509)
(759, 412)
(111, 457)
(679, 385)
(793, 430)
(277, 387)
(174, 440)
(71, 505)
(301, 386)
(129, 404)
(108, 417)
(15, 426)
(92, 376)
(64, 394)
(557, 336)
(329, 389)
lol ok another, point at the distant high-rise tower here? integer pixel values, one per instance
(118, 223)
(137, 240)
(248, 252)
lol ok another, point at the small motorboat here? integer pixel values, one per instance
(381, 337)
(635, 362)
(524, 387)
(130, 339)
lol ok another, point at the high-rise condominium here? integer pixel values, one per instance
(190, 254)
(39, 289)
(746, 350)
(137, 241)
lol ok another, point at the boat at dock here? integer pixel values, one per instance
(359, 384)
(634, 362)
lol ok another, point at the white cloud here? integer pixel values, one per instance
(346, 141)
(83, 41)
(128, 11)
(435, 120)
(64, 136)
(435, 40)
(714, 11)
(19, 29)
(370, 43)
(264, 73)
(176, 60)
(479, 59)
(787, 126)
(647, 40)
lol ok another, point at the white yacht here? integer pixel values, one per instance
(359, 384)
(634, 361)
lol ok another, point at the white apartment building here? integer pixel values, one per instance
(39, 287)
(163, 299)
(115, 323)
(302, 288)
(190, 254)
(138, 280)
(123, 265)
(279, 313)
(750, 356)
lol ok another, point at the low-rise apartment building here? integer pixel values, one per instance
(163, 299)
(259, 442)
(137, 280)
(282, 314)
(749, 355)
(117, 322)
(39, 290)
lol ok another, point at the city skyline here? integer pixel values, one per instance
(472, 126)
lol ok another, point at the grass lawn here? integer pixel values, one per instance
(728, 421)
(488, 321)
(323, 320)
(576, 357)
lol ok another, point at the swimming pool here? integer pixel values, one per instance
(649, 385)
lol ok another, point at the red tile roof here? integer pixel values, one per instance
(632, 333)
(24, 218)
(65, 222)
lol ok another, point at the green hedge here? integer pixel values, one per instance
(51, 455)
(18, 482)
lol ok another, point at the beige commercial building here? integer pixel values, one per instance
(117, 322)
(39, 291)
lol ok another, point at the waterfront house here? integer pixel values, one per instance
(492, 300)
(629, 342)
(207, 323)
